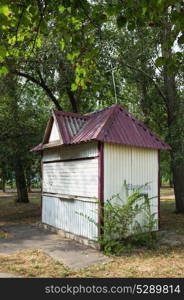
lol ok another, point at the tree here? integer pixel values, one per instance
(19, 122)
(175, 109)
(79, 31)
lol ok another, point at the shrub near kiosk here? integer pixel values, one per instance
(120, 229)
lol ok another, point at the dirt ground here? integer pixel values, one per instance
(167, 260)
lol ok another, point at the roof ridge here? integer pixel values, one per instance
(108, 121)
(103, 109)
(70, 114)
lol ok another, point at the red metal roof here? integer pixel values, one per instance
(112, 125)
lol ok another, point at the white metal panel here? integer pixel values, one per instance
(136, 166)
(51, 154)
(65, 215)
(54, 135)
(145, 170)
(117, 169)
(78, 178)
(82, 150)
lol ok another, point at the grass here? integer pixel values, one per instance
(169, 219)
(32, 263)
(13, 213)
(165, 261)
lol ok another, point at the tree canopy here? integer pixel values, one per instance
(80, 55)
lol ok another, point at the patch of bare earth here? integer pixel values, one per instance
(12, 212)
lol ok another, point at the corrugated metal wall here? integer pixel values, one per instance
(64, 214)
(71, 152)
(77, 179)
(135, 165)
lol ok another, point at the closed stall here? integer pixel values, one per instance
(86, 159)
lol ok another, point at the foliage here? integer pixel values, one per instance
(20, 119)
(120, 229)
(145, 234)
(71, 49)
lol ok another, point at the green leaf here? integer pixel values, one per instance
(77, 79)
(178, 55)
(62, 8)
(62, 44)
(4, 10)
(144, 10)
(160, 61)
(181, 40)
(2, 51)
(3, 70)
(69, 56)
(73, 87)
(69, 9)
(76, 53)
(38, 42)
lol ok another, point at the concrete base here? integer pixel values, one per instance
(67, 251)
(68, 235)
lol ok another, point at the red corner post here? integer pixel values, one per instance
(100, 186)
(158, 189)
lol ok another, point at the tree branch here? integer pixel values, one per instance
(147, 75)
(19, 21)
(72, 99)
(40, 83)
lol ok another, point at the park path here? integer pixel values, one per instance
(69, 252)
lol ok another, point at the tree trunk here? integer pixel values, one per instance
(171, 178)
(21, 183)
(3, 184)
(175, 118)
(28, 180)
(72, 100)
(178, 176)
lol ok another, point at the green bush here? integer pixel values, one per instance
(120, 229)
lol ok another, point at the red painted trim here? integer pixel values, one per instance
(71, 159)
(48, 130)
(69, 114)
(62, 128)
(158, 190)
(100, 185)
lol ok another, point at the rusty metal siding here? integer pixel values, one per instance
(79, 178)
(65, 214)
(83, 150)
(135, 165)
